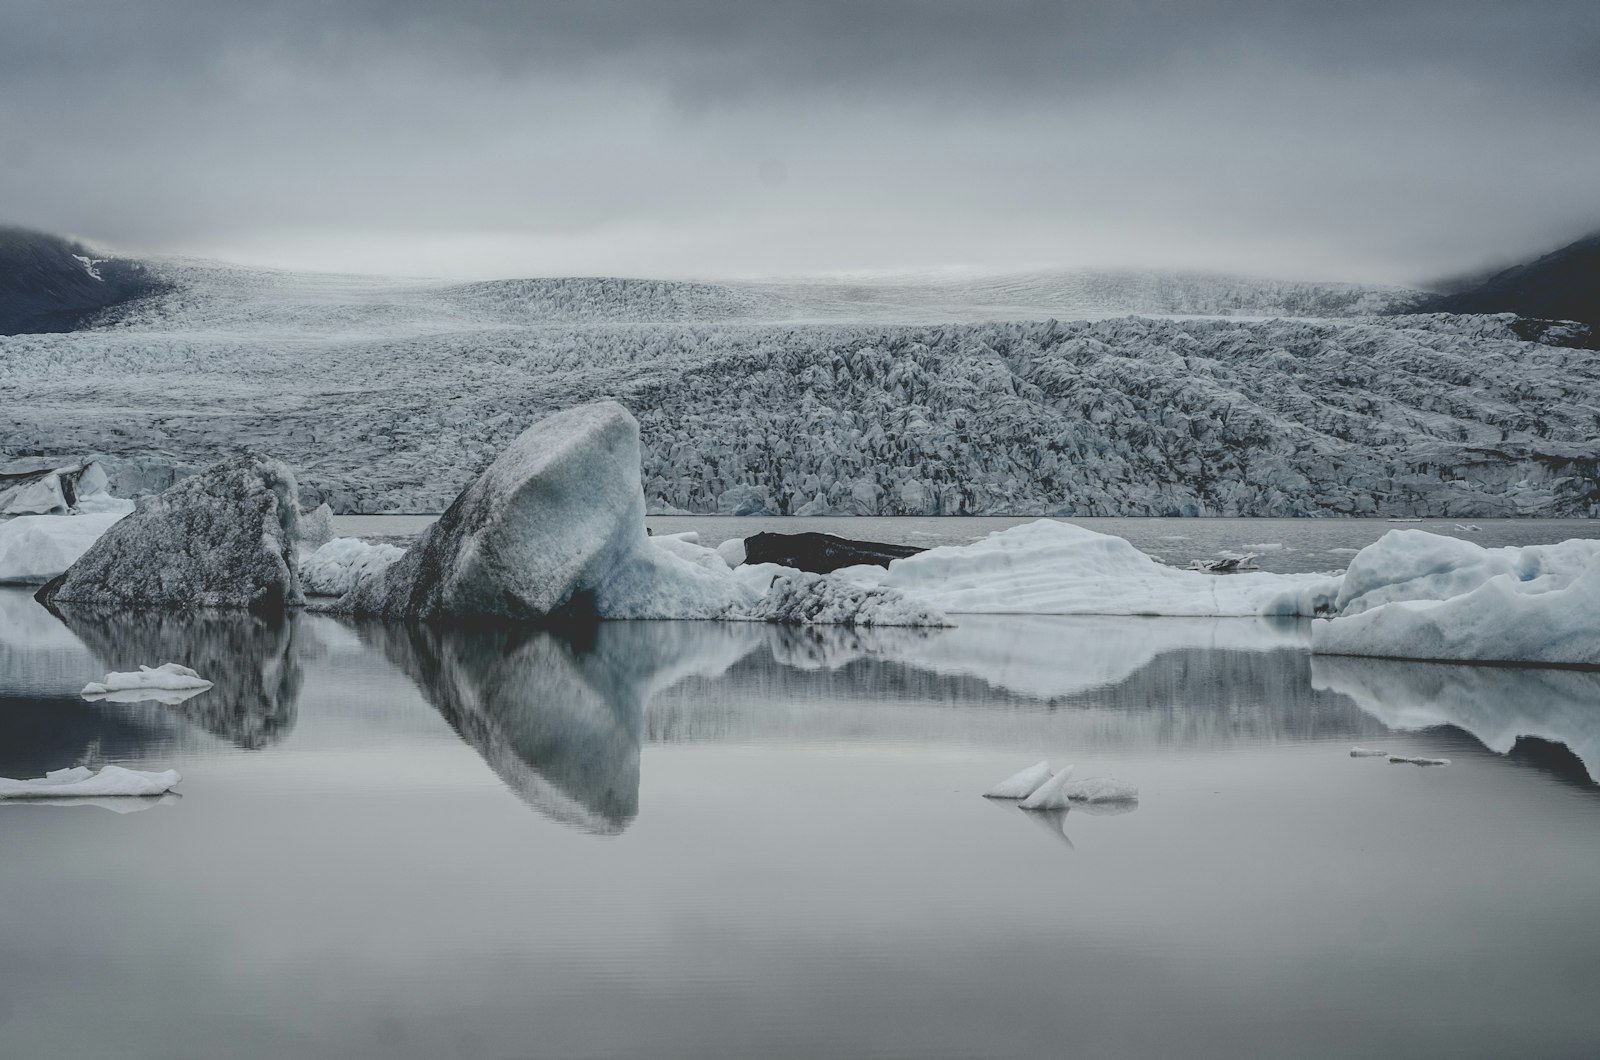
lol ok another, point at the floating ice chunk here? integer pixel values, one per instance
(1417, 595)
(1049, 795)
(687, 546)
(1419, 761)
(1098, 790)
(1365, 752)
(36, 548)
(732, 551)
(1052, 568)
(343, 563)
(132, 686)
(1021, 785)
(802, 598)
(79, 782)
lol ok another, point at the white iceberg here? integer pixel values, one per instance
(1051, 795)
(341, 564)
(1022, 784)
(80, 782)
(1053, 568)
(167, 683)
(1099, 789)
(37, 548)
(1417, 595)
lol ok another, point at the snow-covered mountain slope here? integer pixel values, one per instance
(389, 396)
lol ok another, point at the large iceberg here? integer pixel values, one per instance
(1417, 595)
(1054, 568)
(222, 538)
(554, 528)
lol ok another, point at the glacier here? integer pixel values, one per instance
(950, 397)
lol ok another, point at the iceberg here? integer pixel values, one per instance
(802, 598)
(1416, 595)
(343, 563)
(1051, 795)
(1021, 784)
(37, 548)
(1054, 568)
(1100, 789)
(553, 529)
(55, 491)
(1367, 752)
(222, 538)
(1407, 760)
(168, 683)
(80, 782)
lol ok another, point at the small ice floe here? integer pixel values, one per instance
(1021, 785)
(1367, 752)
(82, 782)
(1226, 563)
(1097, 790)
(1405, 518)
(168, 683)
(1419, 761)
(1469, 527)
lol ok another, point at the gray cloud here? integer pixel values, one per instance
(1357, 140)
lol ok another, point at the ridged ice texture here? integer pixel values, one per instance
(1415, 415)
(222, 538)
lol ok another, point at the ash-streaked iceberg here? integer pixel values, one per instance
(223, 538)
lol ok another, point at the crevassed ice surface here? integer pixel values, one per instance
(730, 840)
(896, 399)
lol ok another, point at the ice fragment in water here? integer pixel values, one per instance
(1020, 785)
(1049, 795)
(1099, 789)
(1366, 752)
(1420, 761)
(79, 782)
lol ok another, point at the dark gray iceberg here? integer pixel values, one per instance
(223, 538)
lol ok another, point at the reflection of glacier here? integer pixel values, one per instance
(1495, 704)
(249, 659)
(1029, 680)
(559, 719)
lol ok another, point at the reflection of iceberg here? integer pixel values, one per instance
(560, 720)
(1495, 704)
(255, 674)
(1056, 656)
(123, 804)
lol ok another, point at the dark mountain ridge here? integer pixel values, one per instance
(1561, 285)
(50, 284)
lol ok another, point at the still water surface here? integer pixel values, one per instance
(736, 840)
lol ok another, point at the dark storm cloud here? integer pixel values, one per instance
(1352, 138)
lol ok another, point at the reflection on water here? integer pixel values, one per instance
(249, 659)
(1495, 704)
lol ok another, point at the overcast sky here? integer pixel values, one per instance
(1386, 141)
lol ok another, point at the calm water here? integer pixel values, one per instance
(1282, 545)
(731, 840)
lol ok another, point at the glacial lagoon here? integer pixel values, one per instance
(681, 839)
